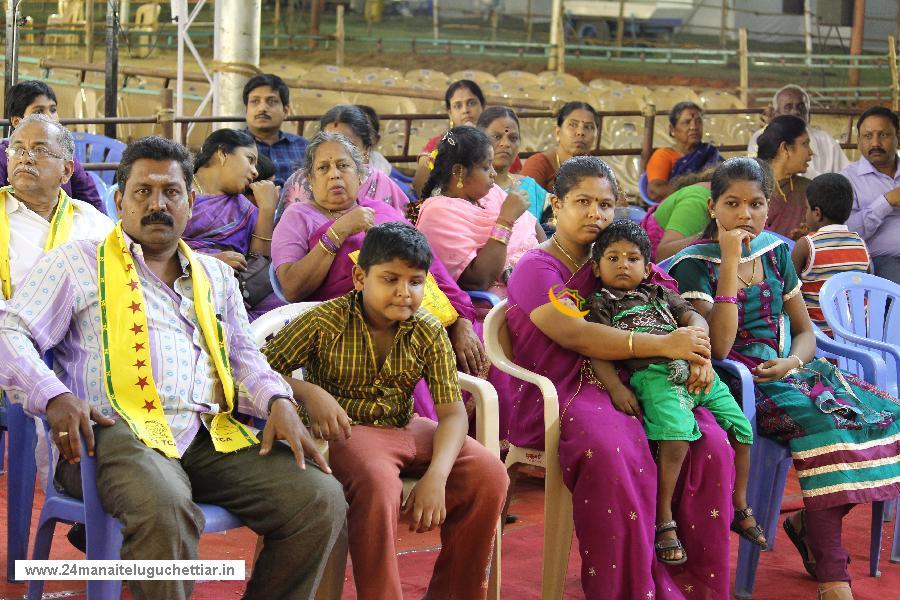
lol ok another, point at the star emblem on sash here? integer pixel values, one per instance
(137, 329)
(149, 405)
(138, 347)
(142, 383)
(135, 307)
(140, 364)
(133, 285)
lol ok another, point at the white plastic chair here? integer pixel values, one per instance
(487, 432)
(558, 524)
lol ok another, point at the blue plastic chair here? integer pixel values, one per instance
(276, 285)
(21, 472)
(104, 533)
(93, 148)
(109, 202)
(783, 238)
(101, 186)
(488, 297)
(642, 188)
(771, 460)
(404, 182)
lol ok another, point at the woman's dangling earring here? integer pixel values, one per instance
(451, 124)
(712, 215)
(459, 183)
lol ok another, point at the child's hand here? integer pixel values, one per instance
(702, 377)
(426, 505)
(624, 401)
(327, 420)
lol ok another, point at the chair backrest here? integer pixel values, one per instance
(268, 324)
(642, 188)
(147, 15)
(90, 147)
(109, 202)
(862, 306)
(790, 243)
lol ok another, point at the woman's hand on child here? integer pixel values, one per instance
(426, 505)
(327, 420)
(625, 401)
(688, 343)
(773, 369)
(702, 377)
(732, 240)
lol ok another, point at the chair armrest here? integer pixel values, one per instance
(276, 285)
(874, 367)
(748, 393)
(487, 411)
(891, 349)
(488, 297)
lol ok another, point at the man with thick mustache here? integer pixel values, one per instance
(267, 99)
(153, 342)
(876, 186)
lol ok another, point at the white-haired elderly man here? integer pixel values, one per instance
(828, 157)
(37, 214)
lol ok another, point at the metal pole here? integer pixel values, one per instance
(895, 80)
(436, 18)
(620, 26)
(807, 29)
(315, 9)
(339, 36)
(561, 48)
(89, 31)
(530, 20)
(237, 45)
(276, 22)
(744, 67)
(110, 98)
(181, 17)
(649, 114)
(723, 26)
(856, 39)
(124, 13)
(11, 67)
(555, 17)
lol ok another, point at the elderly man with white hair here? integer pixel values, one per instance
(37, 214)
(828, 157)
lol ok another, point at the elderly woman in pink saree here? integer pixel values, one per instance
(313, 245)
(605, 457)
(474, 227)
(352, 122)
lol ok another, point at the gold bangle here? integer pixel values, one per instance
(332, 234)
(259, 237)
(496, 239)
(631, 344)
(502, 226)
(326, 249)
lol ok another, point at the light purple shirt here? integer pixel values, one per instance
(876, 221)
(57, 307)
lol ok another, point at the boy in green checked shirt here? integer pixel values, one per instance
(363, 354)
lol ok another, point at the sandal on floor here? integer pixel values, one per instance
(751, 533)
(839, 591)
(798, 538)
(663, 547)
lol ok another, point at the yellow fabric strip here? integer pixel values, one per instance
(60, 230)
(128, 371)
(433, 299)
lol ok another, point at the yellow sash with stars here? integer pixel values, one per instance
(60, 230)
(127, 368)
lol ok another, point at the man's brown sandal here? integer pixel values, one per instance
(752, 533)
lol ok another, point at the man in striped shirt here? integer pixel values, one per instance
(363, 354)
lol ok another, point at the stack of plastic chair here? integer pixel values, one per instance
(558, 524)
(642, 187)
(487, 432)
(92, 148)
(864, 311)
(109, 202)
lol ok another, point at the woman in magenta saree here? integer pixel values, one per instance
(606, 459)
(314, 240)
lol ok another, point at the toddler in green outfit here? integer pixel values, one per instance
(666, 391)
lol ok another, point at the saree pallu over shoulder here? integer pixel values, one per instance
(700, 158)
(220, 222)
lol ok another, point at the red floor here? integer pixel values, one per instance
(780, 575)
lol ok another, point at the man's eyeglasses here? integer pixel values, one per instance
(19, 152)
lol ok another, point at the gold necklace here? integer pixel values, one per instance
(566, 254)
(752, 276)
(557, 159)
